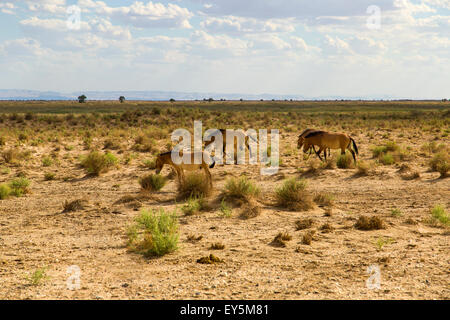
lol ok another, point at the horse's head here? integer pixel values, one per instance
(300, 142)
(306, 146)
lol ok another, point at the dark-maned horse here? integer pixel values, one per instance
(325, 140)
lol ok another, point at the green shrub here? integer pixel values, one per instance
(19, 186)
(152, 182)
(344, 161)
(438, 213)
(194, 186)
(192, 206)
(47, 161)
(387, 159)
(5, 191)
(440, 163)
(240, 188)
(96, 163)
(49, 176)
(293, 195)
(155, 233)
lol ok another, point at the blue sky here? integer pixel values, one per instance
(362, 48)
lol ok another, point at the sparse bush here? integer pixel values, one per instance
(396, 213)
(304, 223)
(241, 188)
(96, 163)
(47, 161)
(217, 246)
(440, 163)
(387, 159)
(49, 176)
(372, 223)
(324, 199)
(192, 206)
(280, 239)
(152, 182)
(344, 161)
(19, 186)
(363, 168)
(150, 164)
(194, 185)
(250, 210)
(155, 233)
(75, 205)
(438, 214)
(38, 276)
(292, 195)
(5, 191)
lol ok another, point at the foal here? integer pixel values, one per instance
(166, 158)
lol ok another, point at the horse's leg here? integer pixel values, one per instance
(325, 154)
(208, 173)
(318, 153)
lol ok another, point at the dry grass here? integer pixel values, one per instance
(195, 185)
(280, 239)
(304, 223)
(293, 195)
(152, 182)
(372, 223)
(74, 205)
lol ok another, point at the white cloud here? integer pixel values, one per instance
(239, 25)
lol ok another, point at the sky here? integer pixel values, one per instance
(352, 48)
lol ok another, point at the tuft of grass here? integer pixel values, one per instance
(71, 206)
(396, 212)
(308, 237)
(241, 188)
(49, 176)
(363, 168)
(19, 186)
(5, 191)
(439, 214)
(149, 164)
(387, 159)
(280, 239)
(440, 163)
(250, 210)
(326, 227)
(155, 233)
(192, 206)
(211, 259)
(344, 161)
(217, 246)
(47, 161)
(152, 182)
(324, 199)
(96, 163)
(194, 186)
(381, 242)
(293, 195)
(372, 223)
(304, 223)
(225, 209)
(38, 276)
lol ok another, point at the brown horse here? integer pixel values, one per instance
(329, 140)
(166, 158)
(301, 139)
(240, 136)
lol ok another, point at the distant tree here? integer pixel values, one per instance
(82, 99)
(241, 99)
(122, 99)
(172, 100)
(210, 99)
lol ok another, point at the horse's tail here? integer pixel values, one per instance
(212, 164)
(354, 146)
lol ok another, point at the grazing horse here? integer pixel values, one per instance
(329, 140)
(166, 158)
(301, 138)
(240, 136)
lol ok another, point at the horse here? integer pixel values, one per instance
(325, 140)
(240, 136)
(166, 159)
(301, 138)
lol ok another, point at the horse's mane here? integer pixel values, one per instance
(314, 133)
(301, 135)
(165, 153)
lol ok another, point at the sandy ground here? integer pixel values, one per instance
(414, 264)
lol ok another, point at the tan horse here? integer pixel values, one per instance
(166, 159)
(240, 136)
(329, 140)
(301, 138)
